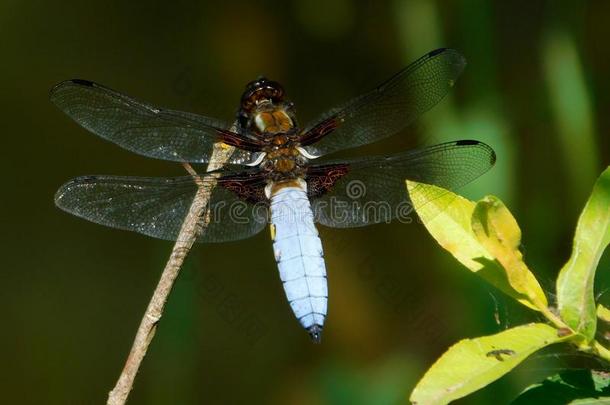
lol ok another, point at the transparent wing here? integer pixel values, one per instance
(157, 206)
(147, 130)
(359, 192)
(389, 108)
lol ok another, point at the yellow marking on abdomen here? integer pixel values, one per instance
(286, 183)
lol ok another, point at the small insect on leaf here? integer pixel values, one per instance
(499, 352)
(471, 364)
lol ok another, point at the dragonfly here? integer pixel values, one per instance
(279, 173)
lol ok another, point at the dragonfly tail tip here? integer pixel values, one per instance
(315, 333)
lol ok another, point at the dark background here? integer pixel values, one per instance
(537, 89)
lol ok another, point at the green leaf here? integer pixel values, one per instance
(570, 387)
(498, 232)
(603, 313)
(605, 400)
(448, 219)
(598, 349)
(575, 282)
(472, 364)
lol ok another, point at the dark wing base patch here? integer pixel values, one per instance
(249, 188)
(321, 179)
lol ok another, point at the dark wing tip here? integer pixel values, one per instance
(468, 142)
(69, 186)
(82, 82)
(456, 59)
(71, 82)
(490, 151)
(482, 145)
(437, 51)
(492, 158)
(60, 194)
(447, 51)
(315, 333)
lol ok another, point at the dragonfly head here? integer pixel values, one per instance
(260, 90)
(264, 96)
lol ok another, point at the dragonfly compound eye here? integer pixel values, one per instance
(259, 90)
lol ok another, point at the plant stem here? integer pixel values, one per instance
(194, 222)
(550, 315)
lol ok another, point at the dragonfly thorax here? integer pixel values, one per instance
(284, 162)
(268, 119)
(265, 114)
(275, 121)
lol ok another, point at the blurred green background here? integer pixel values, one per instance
(536, 88)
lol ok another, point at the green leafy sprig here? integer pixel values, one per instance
(485, 237)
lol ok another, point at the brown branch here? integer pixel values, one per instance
(193, 224)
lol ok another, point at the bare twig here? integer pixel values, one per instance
(193, 224)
